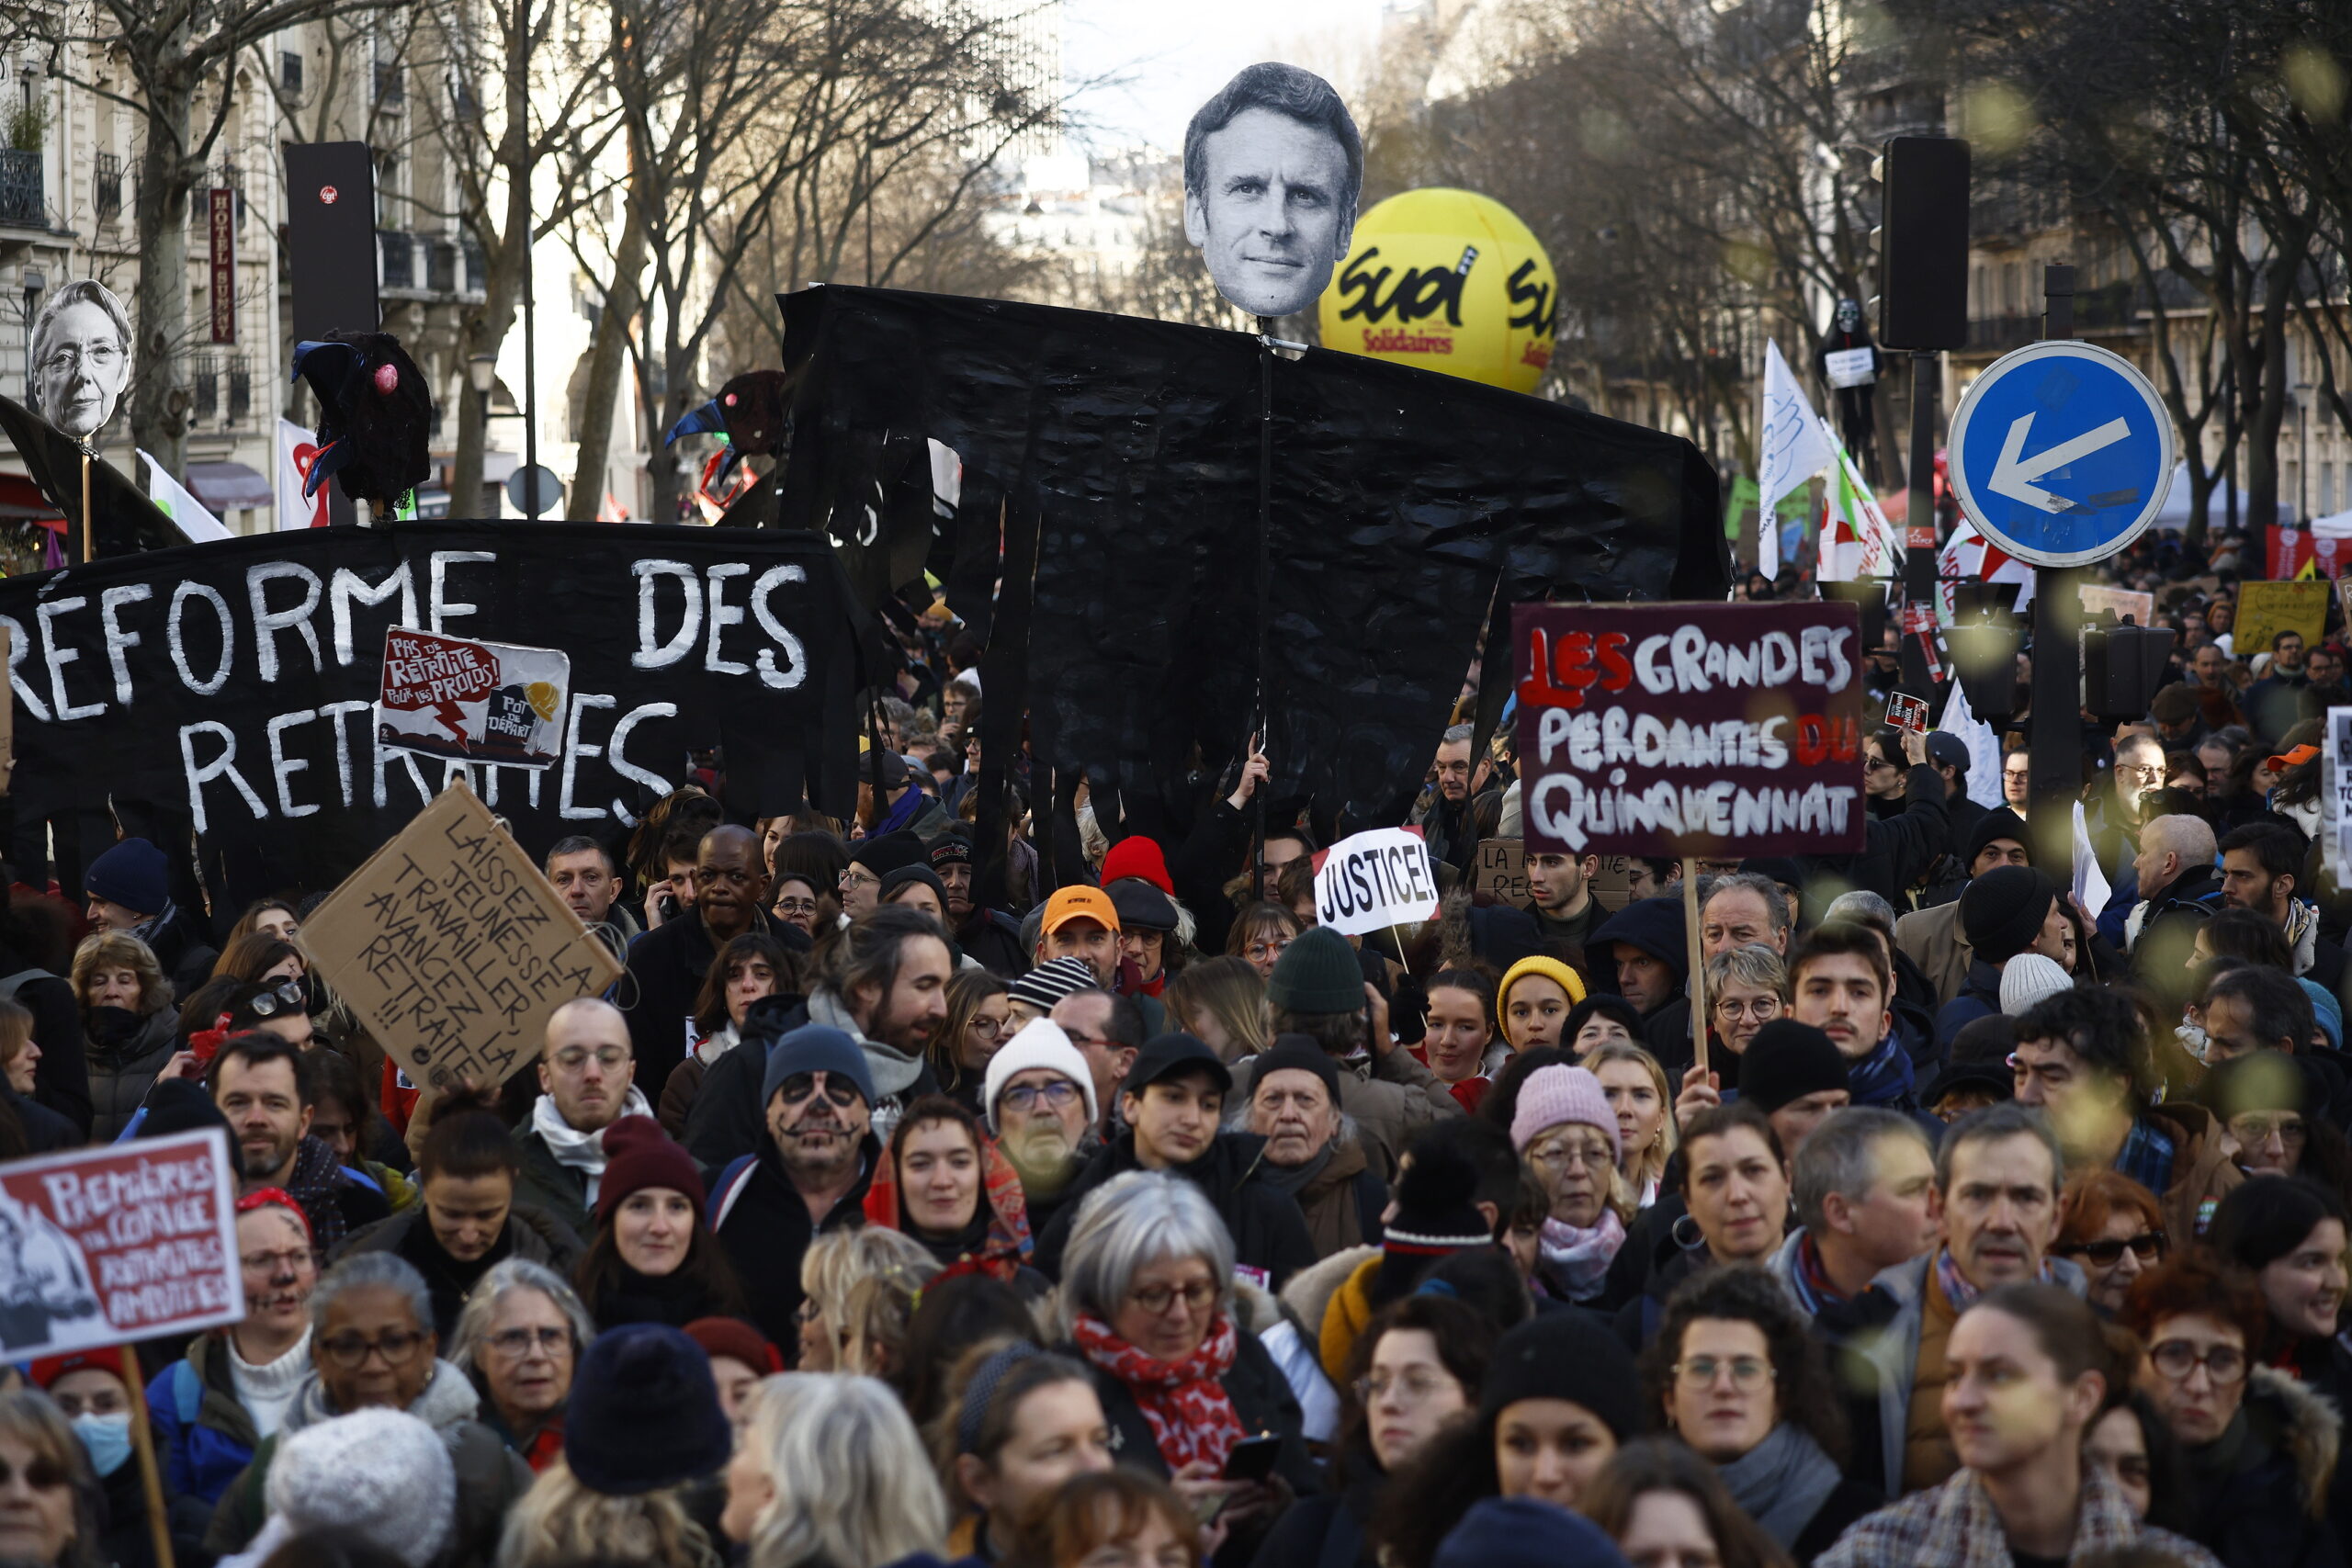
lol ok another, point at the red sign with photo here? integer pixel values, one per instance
(1716, 730)
(129, 1241)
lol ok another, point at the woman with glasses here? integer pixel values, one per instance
(372, 1347)
(467, 1221)
(2114, 1228)
(1148, 1303)
(799, 900)
(750, 967)
(212, 1409)
(520, 1338)
(654, 1260)
(2247, 1431)
(1416, 1368)
(1747, 988)
(979, 1018)
(1567, 1137)
(1742, 1381)
(51, 1512)
(1258, 934)
(129, 1029)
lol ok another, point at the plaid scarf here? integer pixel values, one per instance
(1190, 1414)
(1008, 1243)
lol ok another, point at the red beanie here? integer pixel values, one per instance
(1138, 856)
(638, 1154)
(107, 1359)
(733, 1337)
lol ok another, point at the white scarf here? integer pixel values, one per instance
(583, 1152)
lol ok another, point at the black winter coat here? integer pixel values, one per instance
(1896, 851)
(666, 968)
(763, 1222)
(62, 1078)
(1262, 1399)
(1268, 1231)
(530, 1235)
(2260, 1497)
(122, 1071)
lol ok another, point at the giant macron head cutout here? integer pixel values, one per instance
(80, 358)
(1272, 167)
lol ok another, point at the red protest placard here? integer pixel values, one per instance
(100, 1247)
(481, 702)
(1713, 730)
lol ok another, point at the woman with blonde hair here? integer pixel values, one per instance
(644, 1424)
(58, 1524)
(1635, 1085)
(831, 1472)
(128, 1023)
(1222, 1002)
(831, 1270)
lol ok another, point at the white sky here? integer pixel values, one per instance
(1175, 53)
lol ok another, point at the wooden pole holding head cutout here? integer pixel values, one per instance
(89, 536)
(1695, 949)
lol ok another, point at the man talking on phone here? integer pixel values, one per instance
(667, 965)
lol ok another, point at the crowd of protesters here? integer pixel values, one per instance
(1143, 1221)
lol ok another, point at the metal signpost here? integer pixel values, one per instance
(2061, 452)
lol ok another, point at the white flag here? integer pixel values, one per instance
(1984, 747)
(1795, 444)
(2090, 883)
(1767, 541)
(192, 516)
(297, 450)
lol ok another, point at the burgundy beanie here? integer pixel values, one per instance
(638, 1154)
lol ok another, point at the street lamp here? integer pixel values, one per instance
(482, 371)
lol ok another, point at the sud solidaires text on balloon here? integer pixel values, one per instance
(1565, 806)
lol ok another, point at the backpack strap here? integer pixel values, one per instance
(10, 984)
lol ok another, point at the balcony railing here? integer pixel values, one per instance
(21, 203)
(433, 263)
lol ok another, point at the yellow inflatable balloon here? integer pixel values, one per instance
(1446, 281)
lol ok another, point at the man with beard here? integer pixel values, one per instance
(1313, 1149)
(1443, 812)
(1040, 1103)
(883, 986)
(262, 1085)
(667, 964)
(816, 1156)
(991, 937)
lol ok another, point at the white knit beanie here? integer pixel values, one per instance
(1039, 1043)
(2029, 978)
(382, 1474)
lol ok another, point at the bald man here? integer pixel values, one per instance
(666, 965)
(2174, 871)
(587, 1081)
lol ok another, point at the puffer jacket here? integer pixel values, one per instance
(2261, 1489)
(122, 1071)
(204, 1434)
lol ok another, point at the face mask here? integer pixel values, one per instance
(107, 1438)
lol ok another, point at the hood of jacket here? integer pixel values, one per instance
(2304, 1426)
(1652, 925)
(894, 1071)
(1308, 1295)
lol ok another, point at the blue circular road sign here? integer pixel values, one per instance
(2061, 452)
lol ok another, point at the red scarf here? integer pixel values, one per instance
(1191, 1415)
(1008, 1245)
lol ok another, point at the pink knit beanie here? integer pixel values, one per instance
(1558, 1094)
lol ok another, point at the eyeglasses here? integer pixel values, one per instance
(2175, 1359)
(572, 1058)
(841, 1092)
(1257, 952)
(1877, 765)
(1748, 1373)
(1058, 1096)
(350, 1351)
(293, 1261)
(2255, 1128)
(1593, 1154)
(41, 1476)
(516, 1343)
(100, 355)
(1197, 1297)
(285, 994)
(2138, 770)
(1412, 1386)
(858, 876)
(988, 1028)
(2147, 1246)
(1762, 1007)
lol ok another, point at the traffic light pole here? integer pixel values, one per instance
(2055, 729)
(1920, 527)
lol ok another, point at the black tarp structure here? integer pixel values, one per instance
(1110, 482)
(126, 521)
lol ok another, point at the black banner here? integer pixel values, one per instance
(1403, 502)
(235, 681)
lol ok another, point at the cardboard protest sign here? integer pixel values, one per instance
(485, 702)
(2140, 607)
(1714, 730)
(1371, 881)
(453, 949)
(236, 682)
(126, 1241)
(1501, 870)
(2265, 609)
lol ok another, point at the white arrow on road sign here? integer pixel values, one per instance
(2014, 478)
